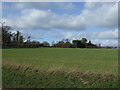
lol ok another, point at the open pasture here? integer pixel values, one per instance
(60, 67)
(91, 60)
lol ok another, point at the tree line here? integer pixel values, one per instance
(16, 40)
(83, 43)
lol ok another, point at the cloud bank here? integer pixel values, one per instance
(104, 15)
(44, 17)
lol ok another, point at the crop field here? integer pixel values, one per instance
(60, 68)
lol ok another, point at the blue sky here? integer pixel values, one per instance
(54, 21)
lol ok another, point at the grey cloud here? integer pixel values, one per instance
(43, 5)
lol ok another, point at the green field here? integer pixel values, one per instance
(56, 67)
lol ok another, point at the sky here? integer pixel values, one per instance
(54, 21)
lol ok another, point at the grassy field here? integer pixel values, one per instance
(60, 67)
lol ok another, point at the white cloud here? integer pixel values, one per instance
(106, 42)
(68, 35)
(101, 14)
(106, 38)
(83, 35)
(109, 34)
(65, 6)
(37, 19)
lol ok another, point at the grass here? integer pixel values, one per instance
(63, 67)
(90, 60)
(27, 77)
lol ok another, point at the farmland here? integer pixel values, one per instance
(60, 67)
